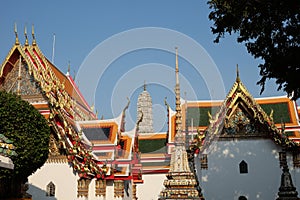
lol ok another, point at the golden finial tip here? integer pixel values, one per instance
(237, 73)
(33, 36)
(26, 38)
(16, 33)
(32, 29)
(15, 28)
(176, 59)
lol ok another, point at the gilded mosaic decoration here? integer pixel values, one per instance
(241, 123)
(28, 86)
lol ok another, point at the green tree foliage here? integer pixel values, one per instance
(270, 29)
(29, 131)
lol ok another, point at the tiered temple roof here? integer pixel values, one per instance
(103, 149)
(74, 127)
(240, 115)
(111, 145)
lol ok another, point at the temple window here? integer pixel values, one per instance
(121, 149)
(243, 167)
(50, 190)
(204, 161)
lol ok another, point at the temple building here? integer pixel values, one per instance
(222, 149)
(88, 158)
(240, 141)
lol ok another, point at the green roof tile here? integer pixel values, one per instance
(290, 133)
(152, 146)
(200, 115)
(164, 163)
(280, 112)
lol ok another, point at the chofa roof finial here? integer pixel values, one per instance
(237, 74)
(33, 36)
(26, 38)
(16, 33)
(69, 68)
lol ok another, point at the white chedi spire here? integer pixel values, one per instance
(144, 108)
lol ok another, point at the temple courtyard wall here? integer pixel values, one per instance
(153, 185)
(224, 180)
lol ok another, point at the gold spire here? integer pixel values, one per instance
(26, 38)
(144, 85)
(176, 65)
(16, 33)
(181, 181)
(178, 103)
(237, 74)
(33, 37)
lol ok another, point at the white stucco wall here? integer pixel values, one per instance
(223, 180)
(61, 174)
(153, 185)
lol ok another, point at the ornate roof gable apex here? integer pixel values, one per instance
(239, 93)
(7, 61)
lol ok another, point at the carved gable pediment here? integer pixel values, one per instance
(19, 78)
(240, 116)
(241, 122)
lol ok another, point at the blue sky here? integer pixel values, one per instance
(82, 26)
